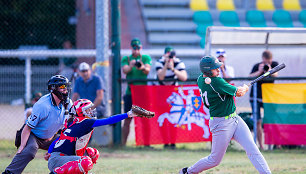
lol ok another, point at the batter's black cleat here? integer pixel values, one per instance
(7, 172)
(184, 170)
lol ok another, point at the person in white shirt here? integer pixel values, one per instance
(226, 71)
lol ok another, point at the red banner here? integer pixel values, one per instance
(180, 115)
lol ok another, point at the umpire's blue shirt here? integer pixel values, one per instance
(46, 118)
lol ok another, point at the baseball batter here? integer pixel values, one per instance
(224, 123)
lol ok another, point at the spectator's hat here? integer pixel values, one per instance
(220, 52)
(168, 49)
(84, 66)
(136, 42)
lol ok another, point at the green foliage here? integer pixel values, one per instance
(35, 22)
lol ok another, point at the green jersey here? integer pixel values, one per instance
(135, 73)
(219, 95)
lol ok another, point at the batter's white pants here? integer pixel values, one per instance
(223, 130)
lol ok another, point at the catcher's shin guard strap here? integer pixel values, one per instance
(75, 167)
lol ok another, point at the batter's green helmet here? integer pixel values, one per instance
(209, 63)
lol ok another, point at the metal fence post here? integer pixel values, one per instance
(27, 73)
(255, 110)
(116, 70)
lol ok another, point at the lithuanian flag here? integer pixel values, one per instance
(284, 113)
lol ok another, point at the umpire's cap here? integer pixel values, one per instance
(209, 63)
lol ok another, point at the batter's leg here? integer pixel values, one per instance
(244, 137)
(222, 132)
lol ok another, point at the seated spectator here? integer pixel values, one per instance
(35, 97)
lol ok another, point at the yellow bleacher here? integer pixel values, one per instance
(225, 5)
(198, 5)
(265, 5)
(291, 5)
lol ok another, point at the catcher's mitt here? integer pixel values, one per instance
(140, 112)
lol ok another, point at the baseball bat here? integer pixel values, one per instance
(273, 70)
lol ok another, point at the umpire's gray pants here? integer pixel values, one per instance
(223, 130)
(21, 160)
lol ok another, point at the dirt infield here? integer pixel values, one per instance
(12, 118)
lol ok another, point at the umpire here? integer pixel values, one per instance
(48, 116)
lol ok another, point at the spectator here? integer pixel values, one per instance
(135, 66)
(90, 86)
(35, 97)
(47, 117)
(226, 70)
(67, 66)
(170, 67)
(257, 70)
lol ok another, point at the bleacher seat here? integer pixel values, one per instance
(282, 18)
(229, 19)
(255, 18)
(265, 5)
(197, 5)
(291, 5)
(201, 30)
(302, 17)
(225, 5)
(202, 42)
(202, 17)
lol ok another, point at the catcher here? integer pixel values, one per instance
(69, 153)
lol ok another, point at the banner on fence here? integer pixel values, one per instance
(284, 113)
(180, 115)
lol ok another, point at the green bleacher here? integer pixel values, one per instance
(258, 13)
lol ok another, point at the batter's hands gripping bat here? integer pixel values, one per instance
(273, 70)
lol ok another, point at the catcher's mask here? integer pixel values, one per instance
(209, 63)
(82, 108)
(59, 81)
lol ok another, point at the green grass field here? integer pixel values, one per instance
(133, 160)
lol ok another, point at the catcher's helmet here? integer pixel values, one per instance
(58, 81)
(209, 63)
(81, 107)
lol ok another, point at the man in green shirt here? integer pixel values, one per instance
(224, 123)
(135, 66)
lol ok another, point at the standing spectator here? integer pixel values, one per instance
(135, 66)
(48, 116)
(257, 70)
(170, 67)
(90, 86)
(67, 64)
(226, 70)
